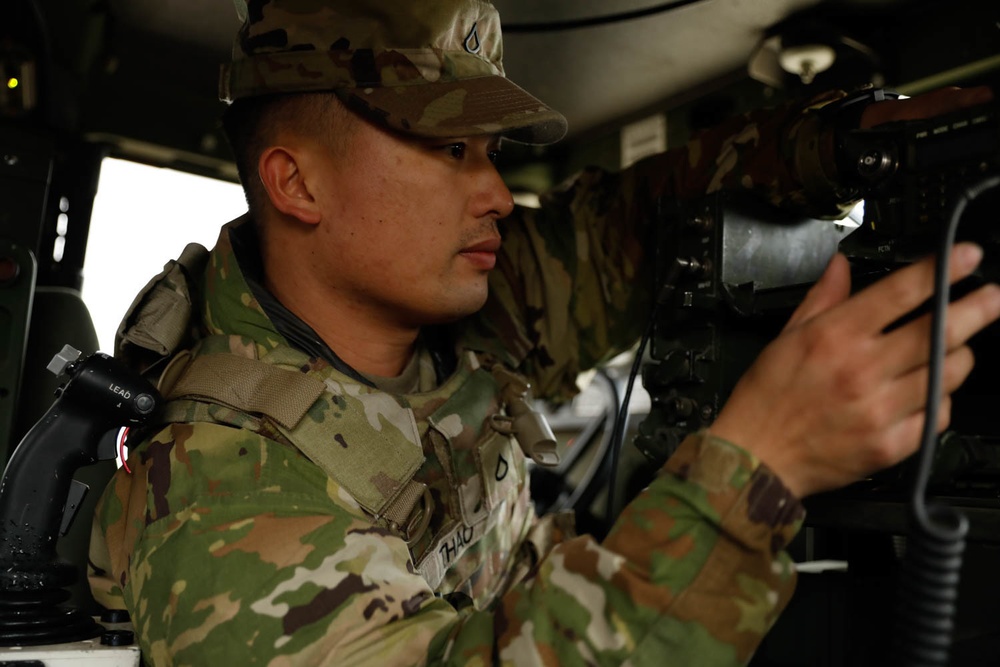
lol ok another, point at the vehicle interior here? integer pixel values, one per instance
(86, 82)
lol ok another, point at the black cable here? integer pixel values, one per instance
(677, 270)
(928, 588)
(592, 21)
(621, 418)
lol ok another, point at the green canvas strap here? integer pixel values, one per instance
(378, 474)
(248, 385)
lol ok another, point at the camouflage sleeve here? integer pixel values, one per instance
(573, 283)
(692, 573)
(228, 547)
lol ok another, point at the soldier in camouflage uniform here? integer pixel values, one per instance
(309, 497)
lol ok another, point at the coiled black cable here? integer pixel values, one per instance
(928, 586)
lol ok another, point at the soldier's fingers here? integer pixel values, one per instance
(908, 393)
(879, 305)
(904, 438)
(833, 287)
(908, 347)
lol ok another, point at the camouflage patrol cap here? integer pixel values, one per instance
(429, 68)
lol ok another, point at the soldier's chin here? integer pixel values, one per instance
(454, 309)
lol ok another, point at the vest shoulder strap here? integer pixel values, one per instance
(248, 385)
(378, 474)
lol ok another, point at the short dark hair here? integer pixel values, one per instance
(250, 126)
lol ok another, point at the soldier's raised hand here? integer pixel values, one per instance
(836, 396)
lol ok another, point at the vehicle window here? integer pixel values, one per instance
(144, 216)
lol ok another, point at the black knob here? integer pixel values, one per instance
(114, 616)
(144, 403)
(118, 638)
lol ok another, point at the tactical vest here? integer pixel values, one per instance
(479, 424)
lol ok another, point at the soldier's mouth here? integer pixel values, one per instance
(483, 254)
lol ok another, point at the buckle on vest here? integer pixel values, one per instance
(409, 514)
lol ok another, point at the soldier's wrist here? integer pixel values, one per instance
(756, 505)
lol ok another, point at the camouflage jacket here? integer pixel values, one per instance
(228, 541)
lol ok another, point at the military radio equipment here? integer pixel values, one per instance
(753, 265)
(910, 174)
(746, 268)
(39, 497)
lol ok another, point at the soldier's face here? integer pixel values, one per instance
(409, 229)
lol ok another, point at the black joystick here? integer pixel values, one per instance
(38, 495)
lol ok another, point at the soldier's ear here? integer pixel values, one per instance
(281, 173)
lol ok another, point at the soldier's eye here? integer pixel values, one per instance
(494, 156)
(457, 151)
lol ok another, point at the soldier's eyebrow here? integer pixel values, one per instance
(493, 141)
